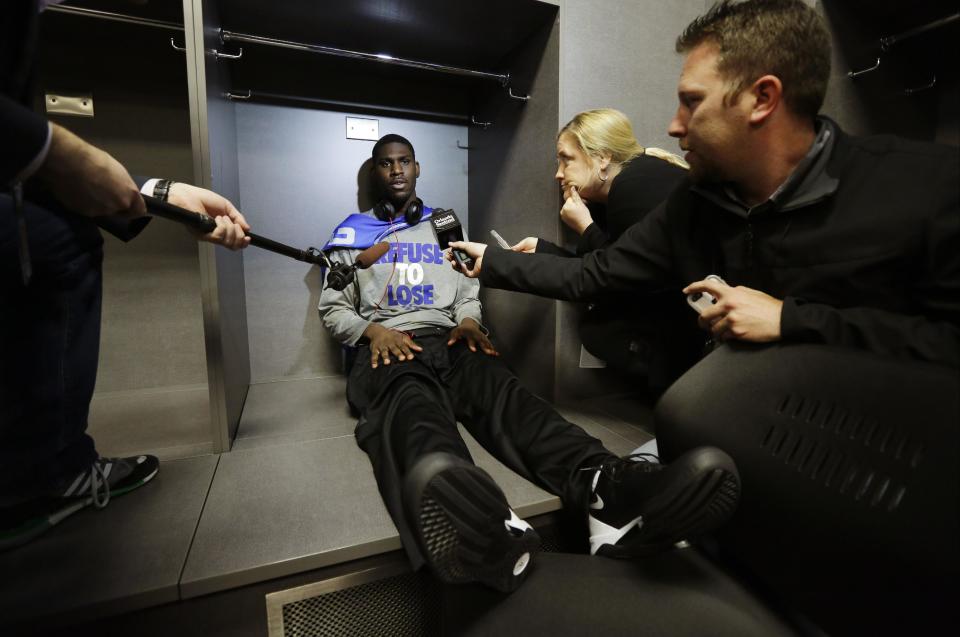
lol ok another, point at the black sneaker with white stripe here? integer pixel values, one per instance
(106, 478)
(466, 529)
(639, 506)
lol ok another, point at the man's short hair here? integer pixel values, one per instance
(392, 139)
(785, 38)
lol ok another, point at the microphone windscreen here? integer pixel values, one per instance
(372, 254)
(446, 227)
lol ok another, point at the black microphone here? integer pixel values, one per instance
(447, 229)
(341, 274)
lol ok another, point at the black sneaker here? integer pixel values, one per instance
(639, 506)
(106, 478)
(465, 527)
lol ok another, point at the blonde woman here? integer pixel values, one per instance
(610, 182)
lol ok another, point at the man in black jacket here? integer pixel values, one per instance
(54, 190)
(820, 237)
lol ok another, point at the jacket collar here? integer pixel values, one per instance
(807, 184)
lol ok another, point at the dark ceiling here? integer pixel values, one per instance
(894, 16)
(454, 32)
(463, 33)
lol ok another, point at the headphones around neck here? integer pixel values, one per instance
(412, 210)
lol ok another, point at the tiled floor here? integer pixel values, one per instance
(294, 494)
(126, 556)
(294, 411)
(284, 508)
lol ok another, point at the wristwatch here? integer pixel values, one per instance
(161, 189)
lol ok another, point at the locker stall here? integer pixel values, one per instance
(274, 87)
(152, 390)
(251, 100)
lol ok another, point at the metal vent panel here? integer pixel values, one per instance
(387, 601)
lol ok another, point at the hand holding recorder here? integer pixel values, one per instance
(735, 313)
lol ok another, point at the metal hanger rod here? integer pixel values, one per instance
(230, 36)
(886, 43)
(116, 17)
(343, 104)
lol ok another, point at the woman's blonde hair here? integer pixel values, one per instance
(607, 130)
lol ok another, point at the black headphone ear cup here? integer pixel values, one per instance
(384, 210)
(414, 212)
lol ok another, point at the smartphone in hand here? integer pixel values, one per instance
(500, 240)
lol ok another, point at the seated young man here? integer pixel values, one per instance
(425, 362)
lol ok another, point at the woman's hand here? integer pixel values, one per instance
(574, 212)
(527, 246)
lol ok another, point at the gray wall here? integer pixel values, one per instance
(299, 177)
(152, 334)
(619, 54)
(512, 191)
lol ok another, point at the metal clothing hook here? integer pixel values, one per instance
(853, 74)
(238, 96)
(227, 56)
(177, 48)
(918, 89)
(462, 147)
(473, 120)
(522, 98)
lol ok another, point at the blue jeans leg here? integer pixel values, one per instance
(49, 347)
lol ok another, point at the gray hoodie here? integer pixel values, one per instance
(412, 286)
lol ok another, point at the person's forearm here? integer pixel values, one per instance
(66, 150)
(339, 315)
(871, 329)
(86, 179)
(545, 275)
(593, 238)
(548, 247)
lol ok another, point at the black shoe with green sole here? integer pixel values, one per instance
(106, 478)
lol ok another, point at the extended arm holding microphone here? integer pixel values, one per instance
(205, 223)
(339, 275)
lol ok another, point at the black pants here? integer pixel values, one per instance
(653, 342)
(408, 409)
(49, 345)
